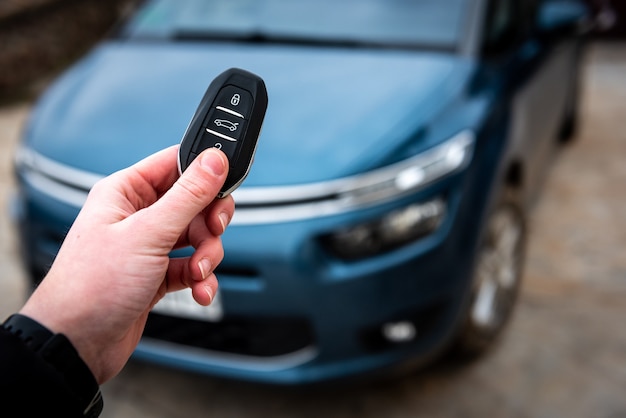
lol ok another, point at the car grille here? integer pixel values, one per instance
(261, 337)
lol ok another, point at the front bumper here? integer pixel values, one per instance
(293, 314)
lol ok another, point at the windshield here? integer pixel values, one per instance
(392, 23)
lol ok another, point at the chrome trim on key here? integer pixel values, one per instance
(228, 138)
(232, 112)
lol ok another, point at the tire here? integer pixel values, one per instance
(570, 120)
(569, 124)
(496, 280)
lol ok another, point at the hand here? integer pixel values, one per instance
(114, 264)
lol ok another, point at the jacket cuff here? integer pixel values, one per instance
(58, 351)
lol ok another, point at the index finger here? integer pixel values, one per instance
(159, 170)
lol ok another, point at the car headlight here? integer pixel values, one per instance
(395, 229)
(257, 205)
(414, 173)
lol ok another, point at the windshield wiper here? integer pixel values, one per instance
(257, 38)
(262, 38)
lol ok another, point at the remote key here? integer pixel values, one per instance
(229, 117)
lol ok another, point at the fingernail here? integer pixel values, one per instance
(214, 162)
(224, 220)
(209, 292)
(205, 267)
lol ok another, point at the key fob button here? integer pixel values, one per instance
(209, 140)
(235, 99)
(223, 123)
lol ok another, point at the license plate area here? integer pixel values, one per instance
(182, 305)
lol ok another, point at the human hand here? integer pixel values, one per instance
(114, 264)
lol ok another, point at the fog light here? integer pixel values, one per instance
(399, 332)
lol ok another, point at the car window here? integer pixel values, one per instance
(433, 23)
(508, 23)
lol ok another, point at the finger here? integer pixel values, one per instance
(196, 232)
(206, 257)
(177, 278)
(135, 187)
(194, 190)
(212, 221)
(219, 214)
(204, 292)
(208, 253)
(153, 175)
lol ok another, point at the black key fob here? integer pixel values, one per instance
(229, 117)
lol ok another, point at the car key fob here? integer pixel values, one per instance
(229, 118)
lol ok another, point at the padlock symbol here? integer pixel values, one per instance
(235, 99)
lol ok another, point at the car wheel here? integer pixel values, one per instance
(496, 281)
(569, 123)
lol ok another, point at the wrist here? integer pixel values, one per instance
(59, 353)
(45, 306)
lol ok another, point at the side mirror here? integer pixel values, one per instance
(558, 14)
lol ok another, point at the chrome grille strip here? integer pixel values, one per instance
(262, 205)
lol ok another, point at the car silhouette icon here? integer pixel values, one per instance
(231, 126)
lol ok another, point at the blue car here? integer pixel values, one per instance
(383, 222)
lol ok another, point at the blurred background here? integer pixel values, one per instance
(565, 351)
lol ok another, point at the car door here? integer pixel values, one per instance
(539, 67)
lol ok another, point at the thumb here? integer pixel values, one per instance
(194, 190)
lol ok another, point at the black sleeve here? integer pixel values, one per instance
(36, 385)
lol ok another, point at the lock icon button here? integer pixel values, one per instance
(236, 99)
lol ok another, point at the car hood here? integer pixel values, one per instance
(332, 112)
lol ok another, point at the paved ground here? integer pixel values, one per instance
(564, 355)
